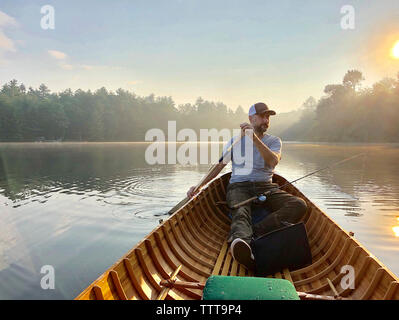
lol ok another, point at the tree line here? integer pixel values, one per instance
(347, 112)
(38, 114)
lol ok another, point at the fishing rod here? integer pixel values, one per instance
(263, 196)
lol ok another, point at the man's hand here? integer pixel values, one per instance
(192, 192)
(246, 126)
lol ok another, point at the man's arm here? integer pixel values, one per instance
(270, 157)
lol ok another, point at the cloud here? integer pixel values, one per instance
(87, 67)
(7, 21)
(63, 58)
(66, 66)
(6, 44)
(98, 67)
(134, 82)
(57, 54)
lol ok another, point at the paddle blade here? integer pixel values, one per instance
(178, 206)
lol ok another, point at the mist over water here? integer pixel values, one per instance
(80, 206)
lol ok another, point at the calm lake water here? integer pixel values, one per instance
(79, 207)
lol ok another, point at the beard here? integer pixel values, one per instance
(261, 129)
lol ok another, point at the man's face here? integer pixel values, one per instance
(260, 122)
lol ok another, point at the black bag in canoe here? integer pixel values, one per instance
(287, 247)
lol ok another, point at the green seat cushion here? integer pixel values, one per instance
(248, 288)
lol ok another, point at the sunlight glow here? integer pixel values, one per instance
(396, 231)
(395, 50)
(396, 228)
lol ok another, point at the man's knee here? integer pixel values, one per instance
(243, 212)
(300, 207)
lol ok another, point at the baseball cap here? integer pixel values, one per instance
(260, 108)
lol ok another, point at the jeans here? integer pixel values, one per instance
(284, 207)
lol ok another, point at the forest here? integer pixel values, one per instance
(346, 112)
(38, 115)
(349, 112)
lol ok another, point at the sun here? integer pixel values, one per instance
(395, 50)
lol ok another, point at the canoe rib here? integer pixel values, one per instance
(134, 280)
(193, 243)
(163, 272)
(195, 237)
(169, 260)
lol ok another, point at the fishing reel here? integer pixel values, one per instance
(257, 201)
(260, 200)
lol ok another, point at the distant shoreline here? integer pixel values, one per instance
(201, 142)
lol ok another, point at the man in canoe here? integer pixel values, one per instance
(266, 153)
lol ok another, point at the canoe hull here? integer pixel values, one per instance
(194, 238)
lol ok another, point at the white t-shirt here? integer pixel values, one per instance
(247, 162)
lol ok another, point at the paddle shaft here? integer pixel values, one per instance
(210, 172)
(291, 182)
(228, 151)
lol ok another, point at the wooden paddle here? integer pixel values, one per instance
(209, 174)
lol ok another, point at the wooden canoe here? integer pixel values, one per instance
(191, 245)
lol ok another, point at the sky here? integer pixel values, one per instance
(232, 51)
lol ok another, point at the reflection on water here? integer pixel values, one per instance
(80, 206)
(396, 228)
